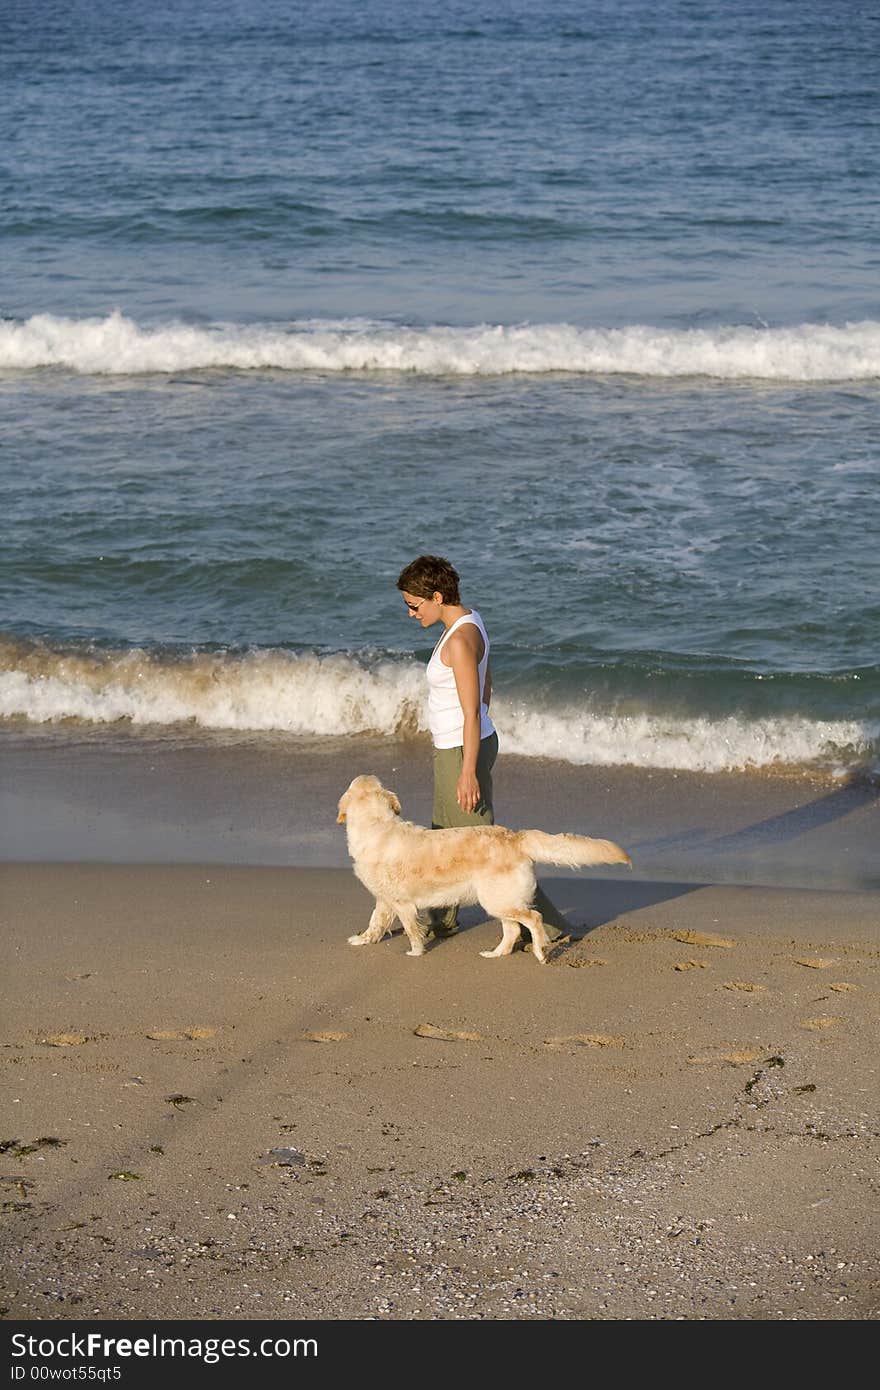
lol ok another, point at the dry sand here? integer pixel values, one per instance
(214, 1107)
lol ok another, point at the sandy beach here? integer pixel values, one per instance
(214, 1107)
(583, 300)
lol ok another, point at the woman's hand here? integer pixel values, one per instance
(467, 791)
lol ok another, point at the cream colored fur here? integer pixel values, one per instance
(407, 867)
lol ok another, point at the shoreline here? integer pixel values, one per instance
(651, 1126)
(148, 800)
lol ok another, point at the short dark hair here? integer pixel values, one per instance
(429, 575)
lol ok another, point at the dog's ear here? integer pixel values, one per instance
(393, 802)
(340, 812)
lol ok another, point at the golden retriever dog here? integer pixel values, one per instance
(407, 867)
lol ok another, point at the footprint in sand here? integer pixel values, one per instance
(585, 1040)
(814, 962)
(736, 1058)
(691, 965)
(322, 1035)
(843, 987)
(428, 1030)
(746, 986)
(181, 1034)
(817, 1024)
(701, 938)
(584, 962)
(66, 1039)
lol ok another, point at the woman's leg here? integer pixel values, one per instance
(447, 814)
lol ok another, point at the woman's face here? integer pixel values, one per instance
(425, 610)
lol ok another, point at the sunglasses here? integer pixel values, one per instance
(414, 607)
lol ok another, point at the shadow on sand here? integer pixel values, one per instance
(854, 795)
(588, 903)
(591, 903)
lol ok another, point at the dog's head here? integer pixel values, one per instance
(366, 791)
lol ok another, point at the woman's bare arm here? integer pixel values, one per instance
(464, 660)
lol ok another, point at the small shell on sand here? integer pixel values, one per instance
(284, 1157)
(701, 938)
(428, 1030)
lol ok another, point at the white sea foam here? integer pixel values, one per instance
(729, 744)
(116, 345)
(328, 696)
(260, 691)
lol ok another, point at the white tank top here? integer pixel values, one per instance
(445, 714)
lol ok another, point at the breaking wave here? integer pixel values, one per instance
(328, 696)
(116, 345)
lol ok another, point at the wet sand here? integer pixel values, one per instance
(214, 1107)
(196, 798)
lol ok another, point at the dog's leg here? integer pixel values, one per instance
(380, 922)
(413, 928)
(510, 933)
(534, 924)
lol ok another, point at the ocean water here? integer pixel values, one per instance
(584, 296)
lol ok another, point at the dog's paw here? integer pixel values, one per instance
(361, 940)
(416, 951)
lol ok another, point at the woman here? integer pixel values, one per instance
(464, 737)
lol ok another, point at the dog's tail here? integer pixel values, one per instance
(571, 850)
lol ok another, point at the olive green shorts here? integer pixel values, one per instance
(446, 812)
